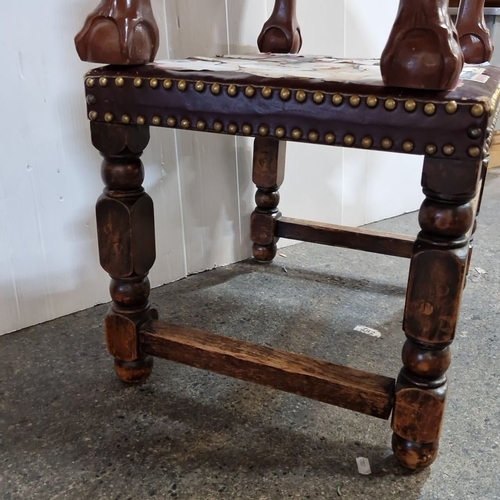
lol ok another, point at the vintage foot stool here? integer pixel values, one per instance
(416, 100)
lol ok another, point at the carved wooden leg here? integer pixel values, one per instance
(436, 281)
(423, 49)
(281, 32)
(474, 35)
(268, 175)
(125, 227)
(119, 32)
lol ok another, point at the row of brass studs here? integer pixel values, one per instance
(280, 133)
(410, 105)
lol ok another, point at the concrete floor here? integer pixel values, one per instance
(70, 430)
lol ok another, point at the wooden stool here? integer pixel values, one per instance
(278, 98)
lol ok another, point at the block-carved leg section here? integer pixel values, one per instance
(436, 281)
(281, 32)
(125, 227)
(423, 49)
(268, 174)
(473, 33)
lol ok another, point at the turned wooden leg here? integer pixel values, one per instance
(436, 281)
(268, 174)
(423, 50)
(125, 229)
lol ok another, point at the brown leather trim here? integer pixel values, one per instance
(452, 124)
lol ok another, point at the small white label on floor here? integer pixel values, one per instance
(369, 331)
(363, 466)
(480, 271)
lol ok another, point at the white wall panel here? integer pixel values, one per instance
(319, 197)
(201, 184)
(162, 182)
(48, 256)
(245, 20)
(207, 164)
(375, 185)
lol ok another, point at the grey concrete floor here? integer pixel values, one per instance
(70, 430)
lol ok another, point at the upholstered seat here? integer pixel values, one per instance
(300, 98)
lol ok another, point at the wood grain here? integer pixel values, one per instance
(473, 34)
(442, 252)
(337, 385)
(341, 236)
(422, 51)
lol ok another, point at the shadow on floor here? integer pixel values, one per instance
(70, 429)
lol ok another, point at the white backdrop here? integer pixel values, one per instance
(201, 184)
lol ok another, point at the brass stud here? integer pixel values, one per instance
(156, 120)
(285, 94)
(199, 86)
(249, 91)
(246, 129)
(91, 99)
(185, 123)
(431, 149)
(103, 81)
(367, 142)
(233, 128)
(267, 92)
(297, 134)
(474, 151)
(153, 83)
(93, 115)
(390, 104)
(171, 121)
(90, 82)
(263, 130)
(108, 117)
(451, 107)
(448, 149)
(387, 143)
(313, 136)
(477, 110)
(349, 140)
(355, 101)
(126, 119)
(410, 105)
(318, 97)
(474, 133)
(300, 96)
(232, 90)
(201, 125)
(371, 101)
(167, 83)
(330, 138)
(218, 126)
(430, 109)
(280, 132)
(215, 89)
(182, 85)
(119, 81)
(337, 99)
(137, 82)
(141, 120)
(408, 146)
